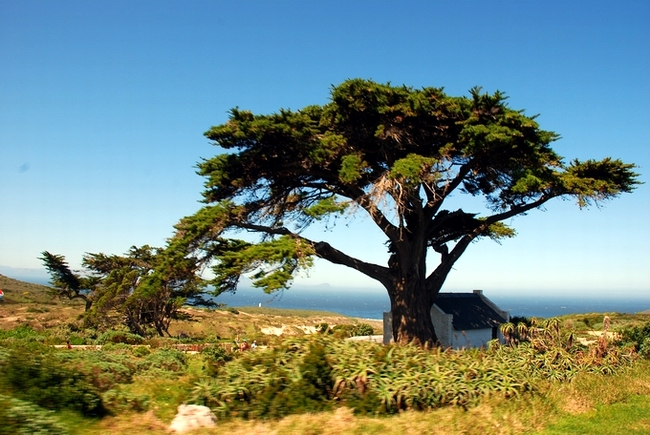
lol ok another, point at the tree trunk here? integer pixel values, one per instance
(411, 311)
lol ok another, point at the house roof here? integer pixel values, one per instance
(470, 311)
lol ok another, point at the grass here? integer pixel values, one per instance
(625, 418)
(613, 405)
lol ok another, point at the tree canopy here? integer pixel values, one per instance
(396, 154)
(65, 282)
(145, 287)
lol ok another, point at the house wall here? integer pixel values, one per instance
(472, 338)
(442, 325)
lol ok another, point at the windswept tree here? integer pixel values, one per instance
(395, 154)
(144, 289)
(66, 283)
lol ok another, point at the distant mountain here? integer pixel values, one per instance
(36, 276)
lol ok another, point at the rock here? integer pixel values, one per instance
(190, 417)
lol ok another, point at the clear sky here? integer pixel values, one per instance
(103, 105)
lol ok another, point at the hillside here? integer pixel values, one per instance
(33, 305)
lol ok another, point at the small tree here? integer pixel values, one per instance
(146, 287)
(395, 154)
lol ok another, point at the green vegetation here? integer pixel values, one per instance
(558, 377)
(376, 379)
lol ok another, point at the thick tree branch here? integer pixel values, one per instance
(333, 255)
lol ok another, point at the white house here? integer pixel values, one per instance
(461, 320)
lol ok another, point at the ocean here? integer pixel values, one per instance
(372, 304)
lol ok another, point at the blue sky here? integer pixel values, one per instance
(103, 106)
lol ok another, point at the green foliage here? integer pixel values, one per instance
(66, 283)
(164, 362)
(362, 329)
(294, 378)
(215, 357)
(639, 338)
(118, 400)
(104, 368)
(41, 379)
(19, 417)
(271, 263)
(141, 351)
(20, 333)
(377, 379)
(352, 168)
(325, 207)
(352, 330)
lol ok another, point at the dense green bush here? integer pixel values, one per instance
(18, 417)
(118, 400)
(215, 357)
(164, 361)
(39, 377)
(295, 377)
(639, 338)
(362, 329)
(141, 351)
(105, 368)
(21, 333)
(352, 330)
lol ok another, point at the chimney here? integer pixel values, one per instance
(478, 292)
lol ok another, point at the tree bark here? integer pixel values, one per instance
(411, 312)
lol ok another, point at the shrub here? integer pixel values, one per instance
(639, 338)
(164, 360)
(23, 418)
(21, 333)
(342, 331)
(215, 357)
(352, 330)
(362, 329)
(105, 368)
(117, 400)
(293, 378)
(41, 379)
(323, 328)
(140, 351)
(644, 348)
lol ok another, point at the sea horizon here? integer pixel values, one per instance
(372, 303)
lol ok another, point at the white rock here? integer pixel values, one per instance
(190, 417)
